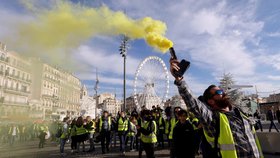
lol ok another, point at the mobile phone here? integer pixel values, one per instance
(183, 65)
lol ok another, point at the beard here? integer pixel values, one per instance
(224, 102)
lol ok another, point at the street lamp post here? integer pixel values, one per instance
(96, 97)
(123, 52)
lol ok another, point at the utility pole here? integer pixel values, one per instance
(96, 89)
(123, 52)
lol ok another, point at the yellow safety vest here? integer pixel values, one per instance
(130, 133)
(64, 134)
(101, 122)
(167, 123)
(23, 129)
(92, 130)
(194, 126)
(160, 123)
(80, 130)
(151, 138)
(73, 130)
(225, 140)
(11, 130)
(122, 125)
(173, 123)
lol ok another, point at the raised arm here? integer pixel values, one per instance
(200, 110)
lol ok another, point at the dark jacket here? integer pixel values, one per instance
(270, 115)
(278, 115)
(183, 139)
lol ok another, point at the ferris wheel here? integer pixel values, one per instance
(151, 83)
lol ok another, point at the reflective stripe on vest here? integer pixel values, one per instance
(173, 124)
(151, 138)
(130, 134)
(101, 123)
(122, 125)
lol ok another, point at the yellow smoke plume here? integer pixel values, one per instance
(67, 25)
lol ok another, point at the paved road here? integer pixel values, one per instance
(51, 150)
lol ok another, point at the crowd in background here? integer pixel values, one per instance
(141, 131)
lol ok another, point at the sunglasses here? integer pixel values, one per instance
(218, 92)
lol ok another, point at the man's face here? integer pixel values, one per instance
(88, 119)
(219, 99)
(105, 114)
(122, 114)
(176, 111)
(182, 118)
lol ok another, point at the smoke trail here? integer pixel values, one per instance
(66, 26)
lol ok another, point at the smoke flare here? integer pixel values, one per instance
(67, 25)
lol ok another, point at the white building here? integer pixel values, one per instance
(88, 104)
(15, 82)
(109, 103)
(175, 101)
(58, 91)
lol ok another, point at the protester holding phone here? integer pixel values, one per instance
(225, 126)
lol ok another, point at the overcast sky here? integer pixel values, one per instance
(217, 36)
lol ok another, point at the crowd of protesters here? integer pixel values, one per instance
(16, 133)
(145, 130)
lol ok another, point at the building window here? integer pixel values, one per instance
(12, 85)
(7, 71)
(23, 88)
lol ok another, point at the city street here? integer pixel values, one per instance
(51, 150)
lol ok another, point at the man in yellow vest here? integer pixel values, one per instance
(13, 133)
(174, 120)
(105, 123)
(161, 126)
(198, 131)
(90, 126)
(148, 132)
(236, 137)
(122, 125)
(64, 135)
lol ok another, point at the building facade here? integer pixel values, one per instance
(130, 104)
(15, 83)
(109, 102)
(273, 98)
(56, 89)
(88, 104)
